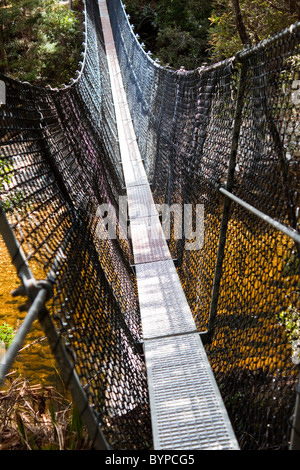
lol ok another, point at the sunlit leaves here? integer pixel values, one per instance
(40, 41)
(262, 18)
(189, 33)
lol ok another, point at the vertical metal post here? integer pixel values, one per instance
(295, 434)
(39, 311)
(227, 201)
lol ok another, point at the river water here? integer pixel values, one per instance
(35, 361)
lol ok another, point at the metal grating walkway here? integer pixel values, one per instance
(186, 407)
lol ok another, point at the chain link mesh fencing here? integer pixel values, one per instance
(59, 163)
(231, 128)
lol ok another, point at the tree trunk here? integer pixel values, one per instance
(240, 23)
(295, 7)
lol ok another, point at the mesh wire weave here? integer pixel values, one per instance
(59, 163)
(185, 122)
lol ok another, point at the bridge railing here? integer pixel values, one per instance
(59, 162)
(226, 136)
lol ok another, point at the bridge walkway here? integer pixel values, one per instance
(187, 410)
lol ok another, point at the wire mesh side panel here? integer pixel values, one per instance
(185, 121)
(59, 164)
(258, 314)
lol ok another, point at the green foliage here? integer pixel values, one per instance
(262, 19)
(291, 264)
(224, 40)
(143, 16)
(5, 171)
(6, 334)
(176, 31)
(9, 199)
(40, 41)
(76, 428)
(5, 178)
(290, 319)
(181, 32)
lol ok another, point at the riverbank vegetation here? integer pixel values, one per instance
(37, 417)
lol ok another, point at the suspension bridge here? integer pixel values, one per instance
(165, 342)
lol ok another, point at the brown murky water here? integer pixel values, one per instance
(35, 360)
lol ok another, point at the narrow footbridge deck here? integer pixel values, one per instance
(186, 407)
